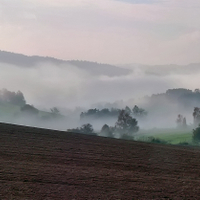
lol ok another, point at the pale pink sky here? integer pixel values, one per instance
(106, 31)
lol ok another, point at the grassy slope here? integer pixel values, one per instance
(176, 137)
(172, 136)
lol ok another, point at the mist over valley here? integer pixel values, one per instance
(73, 87)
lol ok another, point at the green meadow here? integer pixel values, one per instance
(170, 136)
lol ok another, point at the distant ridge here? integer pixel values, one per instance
(164, 70)
(94, 68)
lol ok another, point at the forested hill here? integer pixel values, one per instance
(94, 68)
(165, 70)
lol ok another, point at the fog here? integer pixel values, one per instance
(67, 87)
(47, 85)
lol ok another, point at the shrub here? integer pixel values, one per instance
(85, 128)
(126, 137)
(183, 143)
(156, 140)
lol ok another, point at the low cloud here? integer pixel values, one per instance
(67, 86)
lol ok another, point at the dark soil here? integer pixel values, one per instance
(45, 164)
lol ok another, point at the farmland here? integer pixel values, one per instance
(46, 164)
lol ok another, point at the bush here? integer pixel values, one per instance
(126, 137)
(156, 140)
(85, 129)
(183, 143)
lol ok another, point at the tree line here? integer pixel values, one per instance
(95, 113)
(125, 127)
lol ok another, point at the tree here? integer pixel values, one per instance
(181, 122)
(55, 111)
(16, 98)
(99, 114)
(128, 110)
(106, 131)
(87, 129)
(184, 122)
(196, 115)
(197, 91)
(126, 125)
(138, 112)
(196, 134)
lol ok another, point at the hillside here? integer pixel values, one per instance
(46, 164)
(8, 110)
(93, 68)
(164, 70)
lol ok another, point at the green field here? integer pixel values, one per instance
(171, 136)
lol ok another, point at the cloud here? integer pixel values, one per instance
(105, 31)
(139, 1)
(48, 85)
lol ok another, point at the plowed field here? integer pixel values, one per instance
(45, 164)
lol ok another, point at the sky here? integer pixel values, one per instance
(106, 31)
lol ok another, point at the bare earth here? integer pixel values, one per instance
(45, 164)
